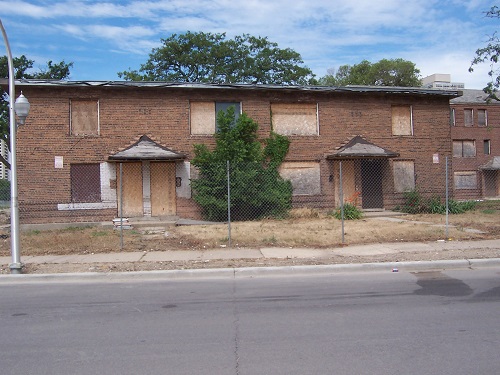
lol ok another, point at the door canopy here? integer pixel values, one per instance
(146, 149)
(360, 148)
(492, 165)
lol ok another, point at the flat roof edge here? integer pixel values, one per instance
(238, 86)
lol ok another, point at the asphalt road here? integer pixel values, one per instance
(348, 323)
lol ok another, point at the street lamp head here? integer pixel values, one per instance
(22, 107)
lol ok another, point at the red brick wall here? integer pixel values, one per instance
(127, 113)
(479, 134)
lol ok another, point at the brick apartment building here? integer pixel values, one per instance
(475, 135)
(80, 135)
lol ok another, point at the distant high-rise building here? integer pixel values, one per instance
(441, 81)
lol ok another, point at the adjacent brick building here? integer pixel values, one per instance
(475, 133)
(85, 142)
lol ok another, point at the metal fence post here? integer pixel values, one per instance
(121, 206)
(228, 205)
(341, 196)
(447, 204)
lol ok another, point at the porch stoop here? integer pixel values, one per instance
(381, 213)
(148, 223)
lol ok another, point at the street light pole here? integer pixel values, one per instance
(16, 265)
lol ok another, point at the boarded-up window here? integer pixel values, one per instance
(464, 149)
(304, 176)
(482, 118)
(295, 118)
(465, 180)
(468, 117)
(203, 115)
(84, 117)
(202, 118)
(404, 175)
(402, 121)
(85, 183)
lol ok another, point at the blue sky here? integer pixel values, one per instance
(102, 38)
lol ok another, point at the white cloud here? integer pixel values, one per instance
(132, 39)
(327, 34)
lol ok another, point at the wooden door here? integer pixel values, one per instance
(349, 181)
(163, 201)
(131, 190)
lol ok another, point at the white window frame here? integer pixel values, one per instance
(485, 117)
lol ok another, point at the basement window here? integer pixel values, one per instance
(85, 183)
(305, 177)
(404, 175)
(465, 180)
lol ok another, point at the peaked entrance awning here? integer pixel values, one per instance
(493, 164)
(146, 149)
(358, 148)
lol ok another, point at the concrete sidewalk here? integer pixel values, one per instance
(262, 253)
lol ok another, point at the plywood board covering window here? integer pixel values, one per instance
(404, 175)
(468, 117)
(482, 118)
(465, 180)
(295, 118)
(84, 117)
(202, 118)
(464, 149)
(304, 176)
(402, 121)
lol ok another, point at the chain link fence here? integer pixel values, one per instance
(4, 193)
(232, 192)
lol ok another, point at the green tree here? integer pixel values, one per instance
(212, 58)
(394, 72)
(23, 68)
(257, 189)
(490, 54)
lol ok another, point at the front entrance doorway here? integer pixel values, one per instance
(148, 189)
(371, 183)
(490, 183)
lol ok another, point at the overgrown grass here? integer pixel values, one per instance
(416, 204)
(99, 234)
(351, 212)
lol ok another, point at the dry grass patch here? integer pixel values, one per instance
(303, 228)
(321, 233)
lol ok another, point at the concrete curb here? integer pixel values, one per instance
(248, 272)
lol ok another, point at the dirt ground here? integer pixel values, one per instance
(304, 228)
